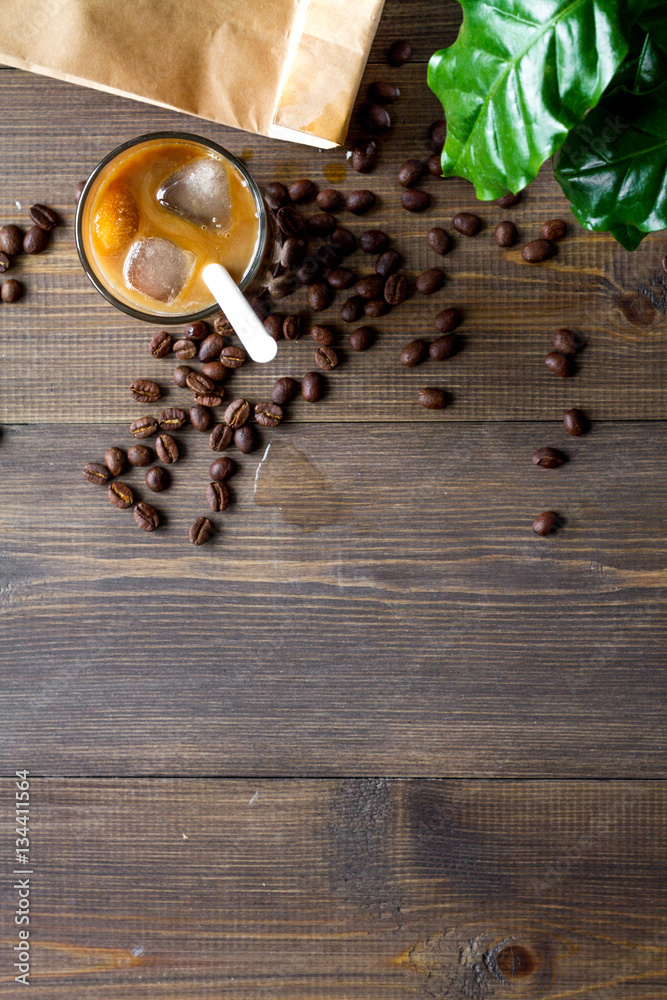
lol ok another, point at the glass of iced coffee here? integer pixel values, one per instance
(156, 211)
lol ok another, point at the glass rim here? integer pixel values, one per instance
(167, 319)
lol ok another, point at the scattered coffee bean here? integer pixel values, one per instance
(245, 439)
(293, 251)
(302, 191)
(554, 229)
(35, 240)
(210, 399)
(547, 522)
(273, 324)
(370, 287)
(185, 349)
(290, 221)
(537, 251)
(567, 341)
(237, 413)
(167, 449)
(396, 289)
(326, 358)
(447, 320)
(198, 331)
(388, 263)
(121, 495)
(12, 290)
(44, 217)
(292, 327)
(352, 309)
(284, 390)
(383, 92)
(313, 387)
(5, 262)
(222, 325)
(506, 234)
(344, 240)
(364, 157)
(374, 308)
(359, 202)
(376, 118)
(161, 344)
(201, 417)
(414, 353)
(434, 165)
(198, 382)
(362, 338)
(172, 419)
(96, 473)
(281, 286)
(217, 495)
(439, 240)
(323, 335)
(415, 200)
(444, 347)
(144, 390)
(373, 241)
(329, 256)
(11, 240)
(201, 531)
(157, 479)
(222, 468)
(115, 460)
(430, 281)
(399, 53)
(322, 224)
(409, 173)
(220, 437)
(276, 195)
(144, 427)
(269, 414)
(139, 454)
(320, 296)
(233, 357)
(215, 370)
(509, 200)
(210, 347)
(432, 398)
(180, 375)
(560, 364)
(467, 223)
(309, 272)
(146, 516)
(548, 458)
(437, 134)
(330, 200)
(341, 277)
(575, 422)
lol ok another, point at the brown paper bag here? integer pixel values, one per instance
(285, 68)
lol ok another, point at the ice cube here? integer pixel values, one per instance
(116, 220)
(158, 268)
(199, 192)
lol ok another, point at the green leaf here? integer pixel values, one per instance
(520, 75)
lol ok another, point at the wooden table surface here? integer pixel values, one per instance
(377, 739)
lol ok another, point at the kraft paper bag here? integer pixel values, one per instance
(284, 68)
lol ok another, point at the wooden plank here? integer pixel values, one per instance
(346, 889)
(375, 603)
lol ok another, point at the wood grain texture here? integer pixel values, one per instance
(346, 889)
(375, 602)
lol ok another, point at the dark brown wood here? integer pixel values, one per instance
(346, 889)
(375, 602)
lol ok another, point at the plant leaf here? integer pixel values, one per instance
(520, 75)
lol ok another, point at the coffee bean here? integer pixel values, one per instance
(302, 191)
(222, 468)
(201, 531)
(439, 240)
(44, 217)
(396, 289)
(157, 479)
(370, 287)
(210, 347)
(172, 419)
(326, 358)
(414, 353)
(146, 516)
(376, 118)
(217, 495)
(292, 327)
(322, 224)
(12, 290)
(548, 458)
(198, 331)
(509, 200)
(373, 241)
(237, 413)
(220, 437)
(415, 200)
(144, 427)
(329, 256)
(330, 200)
(167, 449)
(284, 390)
(430, 281)
(319, 296)
(506, 234)
(121, 495)
(560, 364)
(344, 240)
(362, 338)
(364, 157)
(437, 134)
(115, 460)
(547, 522)
(222, 325)
(199, 383)
(312, 387)
(35, 240)
(210, 399)
(575, 422)
(269, 414)
(145, 390)
(180, 375)
(161, 344)
(341, 277)
(537, 251)
(293, 251)
(554, 229)
(409, 173)
(434, 165)
(78, 191)
(96, 473)
(432, 399)
(233, 357)
(444, 347)
(245, 439)
(281, 286)
(467, 223)
(139, 454)
(359, 202)
(447, 320)
(309, 272)
(352, 309)
(388, 263)
(399, 53)
(201, 417)
(11, 240)
(374, 308)
(5, 262)
(273, 325)
(276, 195)
(185, 349)
(383, 92)
(290, 221)
(567, 341)
(215, 370)
(323, 335)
